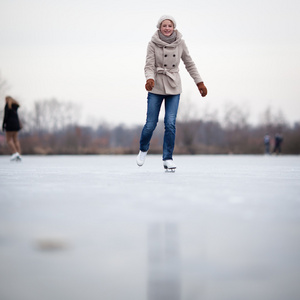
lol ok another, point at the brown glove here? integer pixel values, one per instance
(202, 89)
(149, 85)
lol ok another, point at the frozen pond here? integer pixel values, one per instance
(100, 227)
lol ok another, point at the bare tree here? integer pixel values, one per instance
(186, 125)
(3, 89)
(3, 86)
(52, 115)
(236, 126)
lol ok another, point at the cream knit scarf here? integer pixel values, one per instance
(168, 39)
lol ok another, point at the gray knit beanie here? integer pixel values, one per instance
(165, 17)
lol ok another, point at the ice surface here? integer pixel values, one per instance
(100, 227)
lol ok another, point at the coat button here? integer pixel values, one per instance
(173, 65)
(174, 55)
(165, 65)
(166, 55)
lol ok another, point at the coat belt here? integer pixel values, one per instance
(170, 75)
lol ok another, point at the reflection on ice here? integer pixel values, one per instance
(163, 262)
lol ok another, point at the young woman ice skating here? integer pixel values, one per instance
(164, 52)
(11, 125)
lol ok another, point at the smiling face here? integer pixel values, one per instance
(166, 27)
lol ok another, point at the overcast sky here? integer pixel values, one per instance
(93, 53)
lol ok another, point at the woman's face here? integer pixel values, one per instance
(166, 27)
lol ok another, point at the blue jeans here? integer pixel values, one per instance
(153, 108)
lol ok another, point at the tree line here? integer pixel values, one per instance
(50, 127)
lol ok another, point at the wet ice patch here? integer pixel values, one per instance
(51, 243)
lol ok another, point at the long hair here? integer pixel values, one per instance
(10, 101)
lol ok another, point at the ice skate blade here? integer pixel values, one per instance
(172, 170)
(16, 160)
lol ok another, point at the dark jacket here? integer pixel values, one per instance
(11, 119)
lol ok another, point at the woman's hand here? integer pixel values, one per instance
(202, 89)
(149, 85)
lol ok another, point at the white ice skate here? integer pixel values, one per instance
(141, 158)
(15, 157)
(169, 165)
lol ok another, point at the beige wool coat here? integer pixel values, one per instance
(162, 65)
